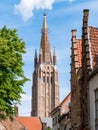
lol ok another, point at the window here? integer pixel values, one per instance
(96, 109)
(44, 79)
(53, 121)
(47, 79)
(48, 67)
(51, 79)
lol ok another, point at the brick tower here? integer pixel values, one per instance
(45, 88)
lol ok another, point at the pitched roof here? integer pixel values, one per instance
(93, 41)
(66, 100)
(31, 123)
(64, 105)
(12, 124)
(45, 44)
(2, 127)
(47, 120)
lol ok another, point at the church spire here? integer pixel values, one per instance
(45, 27)
(35, 59)
(45, 45)
(54, 57)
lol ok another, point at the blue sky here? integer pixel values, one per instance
(62, 16)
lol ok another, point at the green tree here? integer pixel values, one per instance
(48, 128)
(12, 77)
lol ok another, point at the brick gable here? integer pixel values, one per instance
(93, 41)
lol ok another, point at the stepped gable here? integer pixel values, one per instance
(79, 51)
(93, 41)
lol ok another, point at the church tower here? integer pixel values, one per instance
(45, 88)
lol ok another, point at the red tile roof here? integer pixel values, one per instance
(65, 103)
(12, 124)
(93, 38)
(79, 51)
(66, 99)
(31, 123)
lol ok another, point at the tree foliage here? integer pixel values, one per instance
(48, 128)
(12, 76)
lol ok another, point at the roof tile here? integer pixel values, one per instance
(31, 123)
(79, 50)
(93, 37)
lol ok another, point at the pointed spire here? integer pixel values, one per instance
(54, 52)
(45, 27)
(35, 58)
(45, 45)
(40, 55)
(54, 57)
(35, 53)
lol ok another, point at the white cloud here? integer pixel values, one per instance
(71, 0)
(25, 107)
(25, 8)
(30, 51)
(26, 97)
(64, 0)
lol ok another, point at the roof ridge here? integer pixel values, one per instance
(65, 98)
(93, 27)
(27, 117)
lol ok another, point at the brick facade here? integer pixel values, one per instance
(75, 83)
(84, 60)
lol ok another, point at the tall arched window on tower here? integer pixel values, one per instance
(51, 79)
(44, 79)
(47, 79)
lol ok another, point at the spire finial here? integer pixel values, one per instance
(45, 9)
(54, 52)
(45, 45)
(44, 23)
(35, 58)
(54, 57)
(35, 53)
